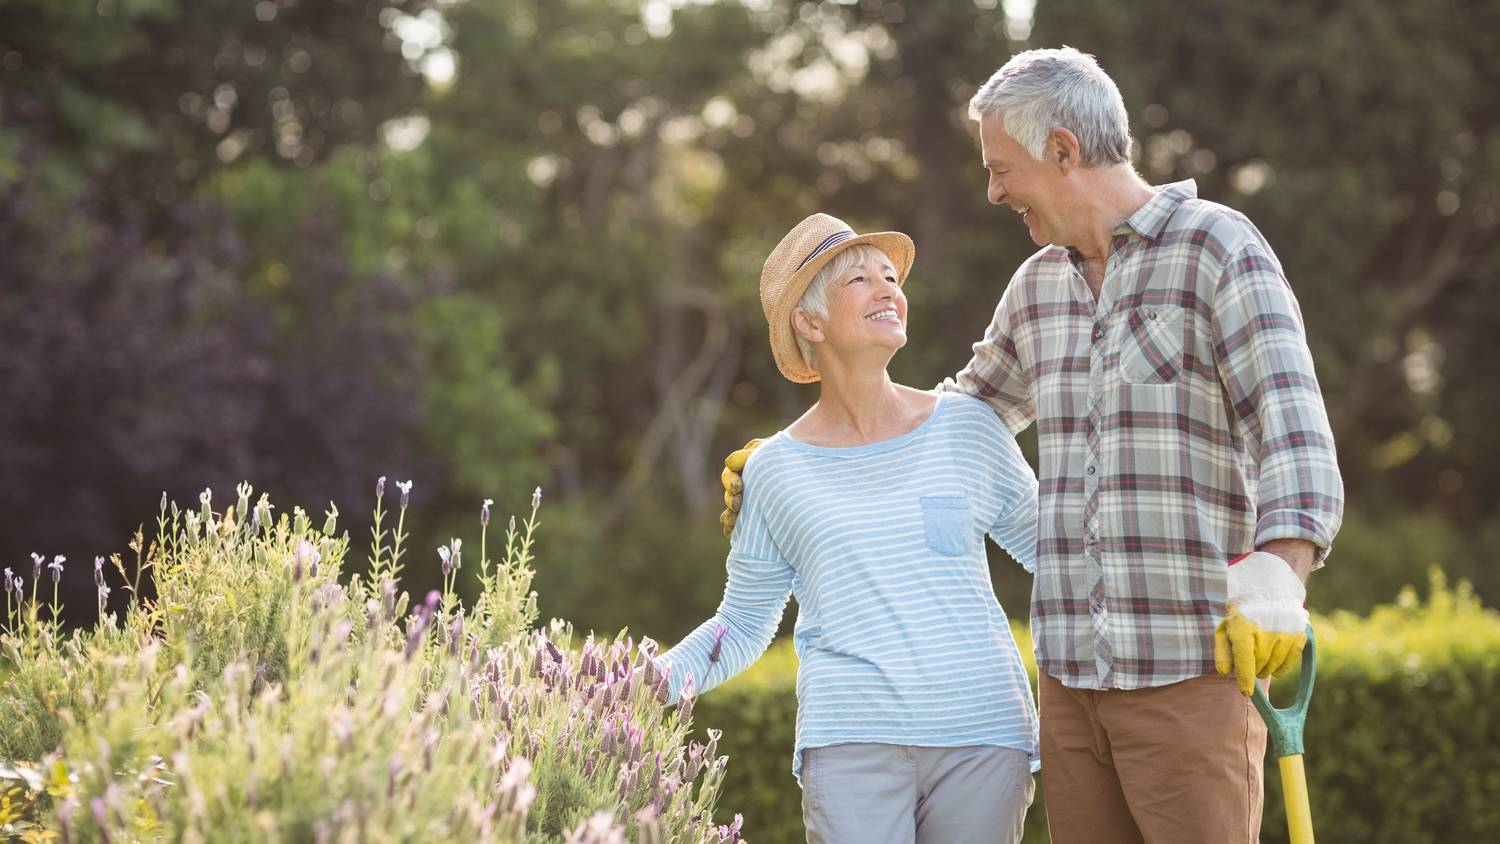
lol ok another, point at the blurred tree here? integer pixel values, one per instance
(150, 95)
(500, 243)
(148, 343)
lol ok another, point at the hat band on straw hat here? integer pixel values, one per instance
(831, 241)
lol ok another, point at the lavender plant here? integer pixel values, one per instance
(262, 697)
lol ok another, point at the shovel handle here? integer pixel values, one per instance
(1284, 726)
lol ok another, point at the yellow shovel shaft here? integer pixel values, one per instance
(1294, 792)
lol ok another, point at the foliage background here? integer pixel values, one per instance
(494, 244)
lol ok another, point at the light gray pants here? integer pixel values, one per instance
(899, 794)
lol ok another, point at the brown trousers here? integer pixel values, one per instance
(1167, 765)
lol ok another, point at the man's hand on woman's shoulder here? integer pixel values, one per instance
(734, 485)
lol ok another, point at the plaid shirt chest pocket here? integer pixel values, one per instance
(1152, 345)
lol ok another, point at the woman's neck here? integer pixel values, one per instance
(860, 407)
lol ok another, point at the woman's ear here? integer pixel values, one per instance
(807, 325)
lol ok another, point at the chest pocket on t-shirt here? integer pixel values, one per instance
(1151, 351)
(945, 519)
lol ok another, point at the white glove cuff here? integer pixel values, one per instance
(1263, 576)
(1266, 590)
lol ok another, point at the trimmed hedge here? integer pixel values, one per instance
(1402, 736)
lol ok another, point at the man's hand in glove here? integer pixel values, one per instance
(1265, 622)
(734, 487)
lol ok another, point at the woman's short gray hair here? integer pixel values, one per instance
(1041, 90)
(815, 299)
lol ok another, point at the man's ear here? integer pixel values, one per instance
(807, 325)
(1062, 150)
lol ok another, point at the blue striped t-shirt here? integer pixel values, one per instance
(899, 635)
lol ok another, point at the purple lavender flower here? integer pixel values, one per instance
(36, 565)
(484, 512)
(341, 631)
(101, 817)
(380, 486)
(305, 556)
(536, 498)
(663, 685)
(98, 571)
(414, 637)
(8, 577)
(388, 598)
(455, 633)
(718, 648)
(393, 767)
(405, 487)
(421, 621)
(447, 559)
(57, 567)
(20, 593)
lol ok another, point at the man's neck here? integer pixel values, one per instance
(1108, 197)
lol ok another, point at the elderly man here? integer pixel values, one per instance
(1188, 475)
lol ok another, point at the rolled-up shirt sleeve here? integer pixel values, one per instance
(1261, 353)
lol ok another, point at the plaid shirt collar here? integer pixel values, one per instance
(1151, 218)
(1148, 221)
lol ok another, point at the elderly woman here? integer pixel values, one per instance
(915, 720)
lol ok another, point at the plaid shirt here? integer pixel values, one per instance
(1180, 425)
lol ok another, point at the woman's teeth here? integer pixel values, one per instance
(883, 315)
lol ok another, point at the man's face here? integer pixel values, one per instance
(1017, 180)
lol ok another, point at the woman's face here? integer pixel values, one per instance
(866, 308)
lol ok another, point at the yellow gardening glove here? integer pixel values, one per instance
(1265, 624)
(734, 487)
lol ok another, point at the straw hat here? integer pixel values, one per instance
(791, 267)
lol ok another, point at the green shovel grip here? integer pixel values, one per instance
(1284, 726)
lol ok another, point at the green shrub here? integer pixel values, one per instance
(1401, 736)
(259, 698)
(1379, 551)
(1403, 732)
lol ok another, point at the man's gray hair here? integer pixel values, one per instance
(815, 299)
(1041, 90)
